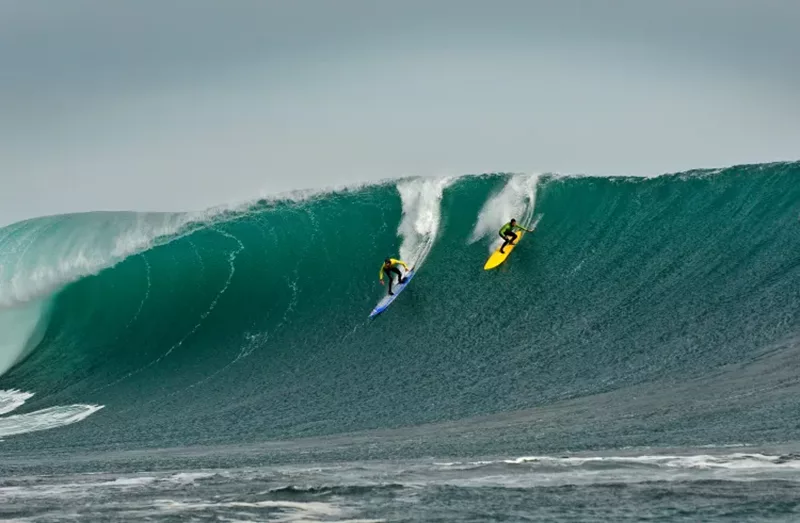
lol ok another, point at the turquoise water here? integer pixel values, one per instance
(643, 313)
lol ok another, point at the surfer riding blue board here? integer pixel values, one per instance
(389, 269)
(390, 266)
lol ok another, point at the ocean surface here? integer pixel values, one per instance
(637, 358)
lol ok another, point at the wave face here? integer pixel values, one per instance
(252, 324)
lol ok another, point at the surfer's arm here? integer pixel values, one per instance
(380, 274)
(401, 262)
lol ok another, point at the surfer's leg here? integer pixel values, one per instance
(513, 238)
(389, 277)
(505, 241)
(399, 275)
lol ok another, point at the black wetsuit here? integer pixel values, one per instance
(388, 272)
(508, 235)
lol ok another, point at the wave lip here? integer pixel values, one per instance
(40, 256)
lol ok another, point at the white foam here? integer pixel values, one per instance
(533, 471)
(701, 461)
(130, 482)
(291, 511)
(190, 477)
(516, 199)
(45, 419)
(80, 489)
(419, 226)
(12, 399)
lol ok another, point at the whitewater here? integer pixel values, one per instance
(635, 358)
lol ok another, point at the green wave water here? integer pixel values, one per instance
(642, 311)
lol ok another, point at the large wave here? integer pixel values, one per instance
(251, 323)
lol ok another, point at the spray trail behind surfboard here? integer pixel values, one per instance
(421, 201)
(419, 226)
(517, 199)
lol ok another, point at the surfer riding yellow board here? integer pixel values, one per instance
(510, 239)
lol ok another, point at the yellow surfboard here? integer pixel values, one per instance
(498, 257)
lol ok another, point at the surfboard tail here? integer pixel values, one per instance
(387, 300)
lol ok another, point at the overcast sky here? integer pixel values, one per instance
(174, 105)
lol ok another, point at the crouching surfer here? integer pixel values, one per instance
(390, 266)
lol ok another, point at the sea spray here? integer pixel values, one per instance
(516, 199)
(421, 217)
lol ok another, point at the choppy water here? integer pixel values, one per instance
(737, 486)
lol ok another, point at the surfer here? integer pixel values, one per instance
(508, 234)
(388, 267)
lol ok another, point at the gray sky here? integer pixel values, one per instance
(184, 104)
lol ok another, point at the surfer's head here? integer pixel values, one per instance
(387, 261)
(513, 221)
